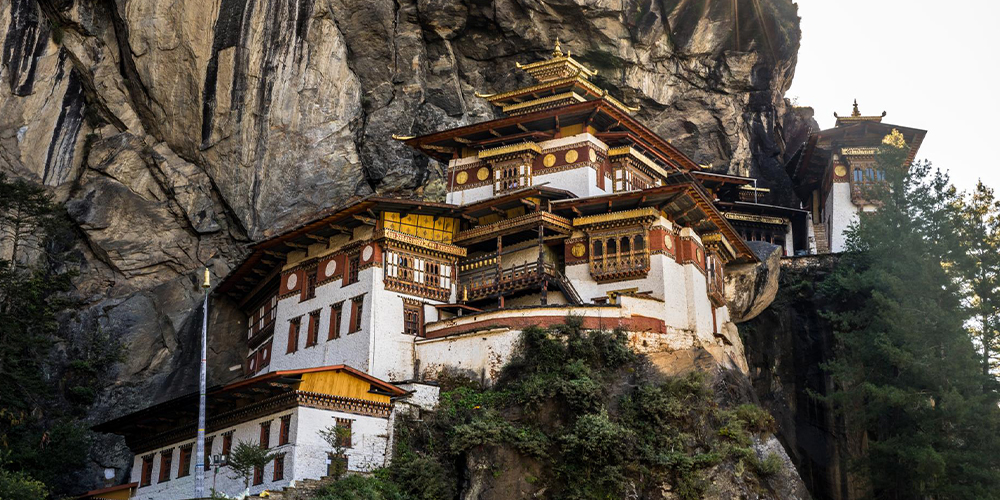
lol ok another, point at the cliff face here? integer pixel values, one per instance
(174, 132)
(786, 346)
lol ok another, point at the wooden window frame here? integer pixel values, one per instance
(227, 443)
(146, 473)
(284, 429)
(609, 262)
(346, 441)
(353, 269)
(265, 434)
(418, 274)
(166, 463)
(184, 461)
(312, 332)
(335, 458)
(357, 310)
(278, 473)
(258, 476)
(413, 318)
(208, 449)
(309, 287)
(336, 319)
(294, 326)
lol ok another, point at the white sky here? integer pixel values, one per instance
(930, 64)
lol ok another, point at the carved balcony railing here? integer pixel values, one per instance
(488, 281)
(620, 266)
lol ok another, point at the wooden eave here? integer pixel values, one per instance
(182, 411)
(684, 201)
(513, 200)
(611, 118)
(808, 172)
(96, 493)
(327, 224)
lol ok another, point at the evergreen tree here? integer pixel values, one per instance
(906, 374)
(978, 270)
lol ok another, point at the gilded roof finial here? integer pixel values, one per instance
(558, 50)
(856, 112)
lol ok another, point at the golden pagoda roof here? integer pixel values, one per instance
(856, 117)
(558, 67)
(561, 80)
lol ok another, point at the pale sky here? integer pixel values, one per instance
(930, 64)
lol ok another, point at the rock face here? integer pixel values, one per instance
(174, 132)
(786, 346)
(750, 288)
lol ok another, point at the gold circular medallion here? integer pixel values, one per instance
(593, 155)
(578, 250)
(292, 280)
(698, 255)
(462, 177)
(483, 173)
(549, 160)
(571, 156)
(668, 242)
(840, 171)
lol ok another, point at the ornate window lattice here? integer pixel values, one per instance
(263, 318)
(630, 179)
(184, 462)
(417, 275)
(353, 267)
(357, 309)
(511, 176)
(413, 318)
(621, 254)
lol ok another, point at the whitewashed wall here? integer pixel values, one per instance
(222, 481)
(841, 212)
(353, 349)
(305, 456)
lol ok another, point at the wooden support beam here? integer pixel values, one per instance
(296, 245)
(320, 239)
(338, 227)
(371, 221)
(522, 127)
(272, 253)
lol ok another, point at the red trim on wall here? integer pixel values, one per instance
(633, 324)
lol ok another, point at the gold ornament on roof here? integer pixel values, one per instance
(856, 113)
(557, 52)
(894, 139)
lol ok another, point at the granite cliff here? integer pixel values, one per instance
(174, 132)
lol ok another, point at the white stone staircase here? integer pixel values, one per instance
(822, 239)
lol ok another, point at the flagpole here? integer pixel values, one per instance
(199, 477)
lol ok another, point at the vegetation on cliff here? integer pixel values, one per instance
(584, 417)
(48, 379)
(908, 378)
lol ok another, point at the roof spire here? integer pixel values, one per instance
(855, 112)
(558, 50)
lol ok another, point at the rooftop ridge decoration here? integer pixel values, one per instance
(559, 66)
(639, 213)
(521, 147)
(856, 117)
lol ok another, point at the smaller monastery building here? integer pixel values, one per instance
(565, 205)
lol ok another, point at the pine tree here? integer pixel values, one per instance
(978, 270)
(906, 374)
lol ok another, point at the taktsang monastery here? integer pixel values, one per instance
(567, 205)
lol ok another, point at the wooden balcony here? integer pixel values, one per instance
(620, 266)
(488, 282)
